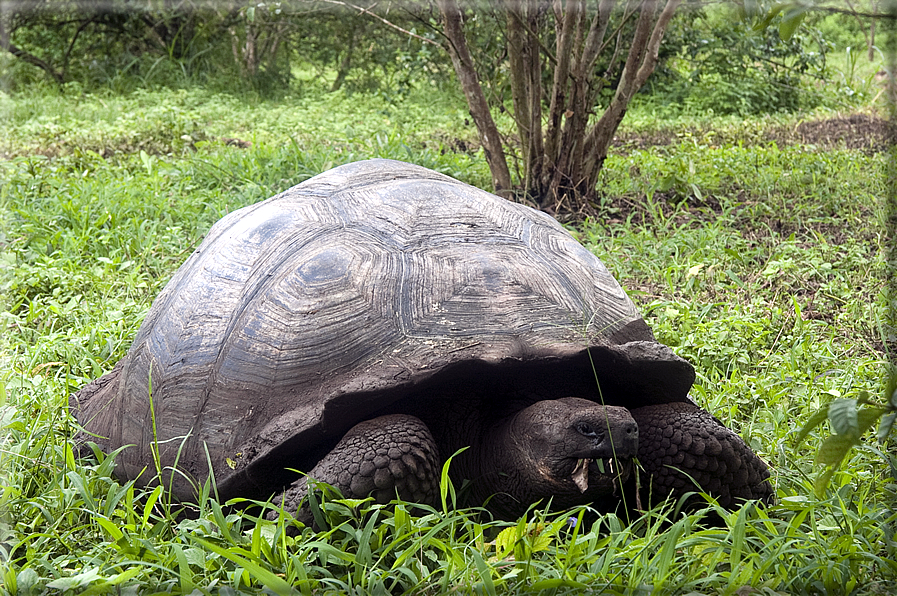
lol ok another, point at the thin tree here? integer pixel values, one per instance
(563, 133)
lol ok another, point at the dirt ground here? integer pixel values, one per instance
(855, 131)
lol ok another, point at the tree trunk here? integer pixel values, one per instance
(526, 87)
(562, 154)
(255, 40)
(476, 99)
(346, 63)
(640, 65)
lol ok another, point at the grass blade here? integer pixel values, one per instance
(265, 577)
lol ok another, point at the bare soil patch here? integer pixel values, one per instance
(857, 131)
(869, 134)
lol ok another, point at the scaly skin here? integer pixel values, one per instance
(532, 457)
(686, 449)
(382, 457)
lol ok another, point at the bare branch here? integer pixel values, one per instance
(594, 44)
(639, 65)
(68, 51)
(24, 56)
(891, 15)
(651, 52)
(522, 116)
(363, 10)
(533, 35)
(476, 100)
(575, 11)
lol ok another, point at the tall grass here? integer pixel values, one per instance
(760, 263)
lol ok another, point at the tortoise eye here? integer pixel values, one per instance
(586, 430)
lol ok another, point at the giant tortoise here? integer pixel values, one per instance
(371, 322)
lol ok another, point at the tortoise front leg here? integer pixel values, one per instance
(383, 457)
(684, 448)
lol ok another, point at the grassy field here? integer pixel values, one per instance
(753, 247)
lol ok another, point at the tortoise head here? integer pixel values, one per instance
(570, 450)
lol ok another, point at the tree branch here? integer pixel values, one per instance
(28, 57)
(532, 34)
(522, 116)
(594, 44)
(476, 100)
(68, 51)
(640, 64)
(363, 10)
(651, 52)
(575, 10)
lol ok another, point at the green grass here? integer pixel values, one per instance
(761, 264)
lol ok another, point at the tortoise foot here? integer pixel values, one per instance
(685, 449)
(385, 457)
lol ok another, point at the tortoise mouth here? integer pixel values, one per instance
(603, 471)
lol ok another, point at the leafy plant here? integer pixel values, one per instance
(850, 418)
(725, 65)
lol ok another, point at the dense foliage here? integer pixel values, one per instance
(224, 44)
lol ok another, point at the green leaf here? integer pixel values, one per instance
(315, 490)
(818, 417)
(103, 587)
(773, 13)
(107, 461)
(751, 8)
(110, 528)
(842, 413)
(738, 532)
(485, 572)
(668, 552)
(795, 503)
(834, 449)
(557, 582)
(185, 574)
(221, 521)
(401, 519)
(505, 541)
(791, 21)
(150, 503)
(885, 427)
(147, 162)
(446, 488)
(866, 417)
(731, 275)
(352, 503)
(76, 581)
(80, 484)
(734, 254)
(26, 579)
(542, 541)
(822, 482)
